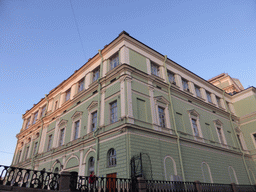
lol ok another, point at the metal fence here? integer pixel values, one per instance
(13, 176)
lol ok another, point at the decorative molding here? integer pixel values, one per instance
(161, 99)
(193, 112)
(63, 123)
(77, 114)
(92, 105)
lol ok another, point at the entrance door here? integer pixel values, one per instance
(111, 182)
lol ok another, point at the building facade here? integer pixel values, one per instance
(130, 110)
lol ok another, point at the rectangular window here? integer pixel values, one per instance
(61, 139)
(19, 156)
(76, 129)
(35, 118)
(96, 74)
(154, 69)
(114, 61)
(218, 101)
(43, 110)
(209, 98)
(67, 95)
(171, 78)
(35, 147)
(28, 122)
(185, 84)
(27, 150)
(56, 105)
(220, 135)
(94, 121)
(198, 92)
(195, 128)
(161, 116)
(113, 112)
(49, 143)
(81, 85)
(228, 108)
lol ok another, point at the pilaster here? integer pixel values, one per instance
(179, 81)
(122, 93)
(73, 90)
(148, 66)
(129, 100)
(192, 88)
(102, 107)
(124, 55)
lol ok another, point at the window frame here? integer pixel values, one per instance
(77, 116)
(185, 86)
(113, 60)
(156, 66)
(111, 157)
(92, 118)
(55, 105)
(35, 117)
(208, 96)
(115, 112)
(27, 152)
(43, 111)
(218, 101)
(198, 91)
(61, 139)
(90, 165)
(96, 71)
(253, 135)
(162, 120)
(76, 129)
(220, 131)
(163, 103)
(28, 122)
(193, 114)
(80, 86)
(35, 147)
(172, 80)
(49, 146)
(67, 95)
(19, 156)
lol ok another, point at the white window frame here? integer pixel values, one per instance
(35, 147)
(67, 95)
(209, 99)
(219, 124)
(27, 152)
(199, 91)
(171, 80)
(43, 111)
(91, 109)
(163, 103)
(59, 138)
(50, 142)
(114, 59)
(77, 116)
(96, 74)
(218, 103)
(110, 112)
(185, 85)
(28, 122)
(154, 65)
(193, 114)
(109, 157)
(35, 117)
(80, 82)
(89, 165)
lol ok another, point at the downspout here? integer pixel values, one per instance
(98, 115)
(174, 123)
(40, 134)
(233, 130)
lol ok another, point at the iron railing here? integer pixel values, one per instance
(215, 187)
(245, 188)
(105, 184)
(14, 176)
(170, 186)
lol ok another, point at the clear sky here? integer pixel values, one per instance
(42, 42)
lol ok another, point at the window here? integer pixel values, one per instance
(218, 101)
(154, 69)
(28, 122)
(161, 116)
(198, 92)
(76, 130)
(43, 110)
(96, 74)
(185, 85)
(67, 95)
(26, 154)
(209, 98)
(228, 106)
(19, 156)
(113, 112)
(61, 138)
(114, 61)
(81, 85)
(112, 158)
(91, 164)
(94, 121)
(35, 147)
(171, 77)
(254, 137)
(195, 127)
(220, 135)
(56, 105)
(35, 117)
(49, 143)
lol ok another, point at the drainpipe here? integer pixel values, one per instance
(174, 123)
(233, 130)
(95, 133)
(40, 134)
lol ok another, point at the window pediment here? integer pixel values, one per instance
(77, 115)
(63, 123)
(161, 99)
(92, 105)
(193, 112)
(218, 122)
(238, 130)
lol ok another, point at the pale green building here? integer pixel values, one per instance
(129, 100)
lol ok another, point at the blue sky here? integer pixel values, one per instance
(41, 45)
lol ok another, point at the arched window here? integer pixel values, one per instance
(206, 172)
(232, 175)
(112, 158)
(91, 164)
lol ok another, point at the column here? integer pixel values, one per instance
(163, 74)
(55, 138)
(129, 99)
(22, 153)
(122, 93)
(152, 105)
(63, 160)
(104, 68)
(102, 107)
(214, 101)
(42, 142)
(203, 94)
(192, 88)
(179, 81)
(39, 113)
(88, 79)
(24, 123)
(124, 55)
(62, 98)
(81, 162)
(31, 119)
(73, 91)
(223, 105)
(30, 146)
(148, 66)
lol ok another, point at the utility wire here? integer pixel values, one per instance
(77, 29)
